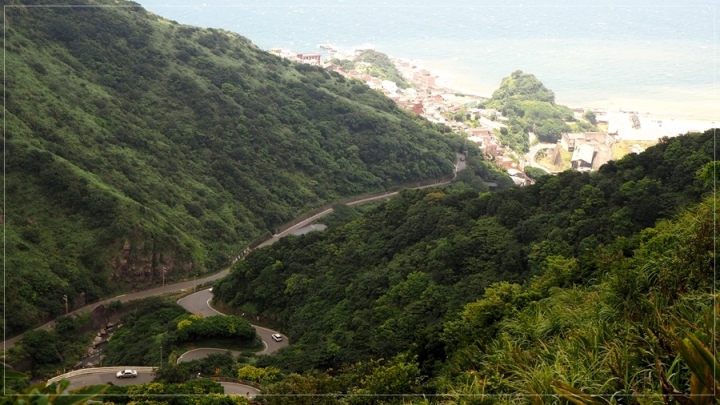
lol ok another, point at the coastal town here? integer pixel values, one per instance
(620, 132)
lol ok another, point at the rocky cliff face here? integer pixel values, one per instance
(140, 266)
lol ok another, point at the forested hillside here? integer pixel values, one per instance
(622, 324)
(395, 280)
(136, 146)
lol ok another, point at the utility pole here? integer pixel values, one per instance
(66, 304)
(161, 356)
(163, 280)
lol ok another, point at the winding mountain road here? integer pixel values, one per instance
(185, 285)
(530, 156)
(197, 303)
(99, 376)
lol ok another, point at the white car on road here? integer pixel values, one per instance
(126, 374)
(277, 337)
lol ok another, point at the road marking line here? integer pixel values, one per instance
(208, 304)
(233, 352)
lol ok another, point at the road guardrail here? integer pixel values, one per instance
(236, 381)
(94, 370)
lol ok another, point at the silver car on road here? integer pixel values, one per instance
(126, 374)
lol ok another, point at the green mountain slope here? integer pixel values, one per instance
(387, 283)
(137, 146)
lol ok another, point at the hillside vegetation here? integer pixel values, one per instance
(395, 280)
(136, 146)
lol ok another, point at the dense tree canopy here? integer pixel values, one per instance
(136, 145)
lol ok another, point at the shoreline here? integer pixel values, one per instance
(655, 123)
(642, 107)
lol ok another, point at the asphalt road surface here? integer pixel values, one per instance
(460, 165)
(309, 228)
(104, 377)
(197, 354)
(196, 303)
(530, 156)
(240, 389)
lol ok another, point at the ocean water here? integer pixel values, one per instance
(657, 56)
